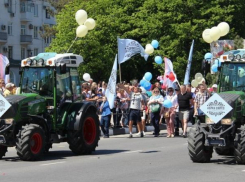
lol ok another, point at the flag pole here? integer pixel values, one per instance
(120, 73)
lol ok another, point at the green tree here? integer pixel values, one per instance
(173, 23)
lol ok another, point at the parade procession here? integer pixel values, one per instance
(147, 90)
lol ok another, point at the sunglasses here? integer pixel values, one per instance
(156, 91)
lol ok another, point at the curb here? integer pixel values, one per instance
(122, 131)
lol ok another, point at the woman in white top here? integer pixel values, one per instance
(155, 104)
(170, 120)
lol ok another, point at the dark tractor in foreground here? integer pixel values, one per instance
(49, 109)
(227, 136)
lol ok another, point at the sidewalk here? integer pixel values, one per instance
(121, 131)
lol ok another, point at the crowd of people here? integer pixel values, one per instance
(134, 105)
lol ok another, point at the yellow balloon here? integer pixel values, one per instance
(194, 83)
(224, 28)
(90, 23)
(198, 79)
(81, 16)
(198, 75)
(81, 31)
(206, 36)
(215, 33)
(149, 49)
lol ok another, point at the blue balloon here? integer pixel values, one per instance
(155, 44)
(167, 103)
(214, 68)
(208, 56)
(158, 59)
(218, 62)
(142, 82)
(148, 76)
(147, 85)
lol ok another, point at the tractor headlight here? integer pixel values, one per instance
(227, 121)
(238, 57)
(9, 121)
(209, 121)
(231, 56)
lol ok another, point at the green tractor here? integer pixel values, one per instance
(226, 135)
(49, 109)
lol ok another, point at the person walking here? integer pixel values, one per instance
(185, 101)
(176, 120)
(8, 89)
(124, 98)
(2, 86)
(171, 111)
(136, 102)
(155, 103)
(105, 117)
(201, 97)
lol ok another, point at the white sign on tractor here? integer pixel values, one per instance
(216, 108)
(4, 105)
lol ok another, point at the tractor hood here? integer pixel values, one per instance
(22, 105)
(234, 99)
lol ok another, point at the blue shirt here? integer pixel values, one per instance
(105, 109)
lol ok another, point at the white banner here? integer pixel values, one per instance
(110, 92)
(127, 48)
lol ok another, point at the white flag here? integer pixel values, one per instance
(127, 48)
(110, 92)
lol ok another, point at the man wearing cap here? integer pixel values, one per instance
(214, 89)
(8, 89)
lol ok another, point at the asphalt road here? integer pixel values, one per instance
(121, 159)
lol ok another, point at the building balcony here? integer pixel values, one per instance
(26, 16)
(3, 37)
(25, 39)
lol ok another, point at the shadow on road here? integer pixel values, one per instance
(63, 154)
(228, 160)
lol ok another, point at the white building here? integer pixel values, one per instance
(21, 22)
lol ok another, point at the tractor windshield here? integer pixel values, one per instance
(37, 80)
(232, 77)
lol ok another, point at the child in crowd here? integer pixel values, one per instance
(105, 117)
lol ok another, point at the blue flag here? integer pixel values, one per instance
(110, 92)
(127, 48)
(188, 68)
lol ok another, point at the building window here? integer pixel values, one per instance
(47, 40)
(10, 6)
(23, 53)
(35, 51)
(23, 30)
(10, 29)
(10, 52)
(35, 32)
(22, 7)
(36, 10)
(47, 14)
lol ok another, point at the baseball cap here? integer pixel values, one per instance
(8, 85)
(214, 86)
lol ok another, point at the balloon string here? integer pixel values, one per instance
(71, 45)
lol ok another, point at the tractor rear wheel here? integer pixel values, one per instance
(3, 150)
(85, 140)
(198, 152)
(226, 151)
(31, 142)
(240, 149)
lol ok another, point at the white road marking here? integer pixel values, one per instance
(243, 170)
(132, 151)
(52, 163)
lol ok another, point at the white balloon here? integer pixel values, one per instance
(224, 28)
(86, 77)
(206, 36)
(90, 23)
(149, 49)
(81, 31)
(194, 83)
(198, 75)
(81, 16)
(215, 33)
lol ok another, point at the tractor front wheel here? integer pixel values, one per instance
(3, 150)
(30, 143)
(85, 140)
(198, 152)
(240, 149)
